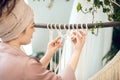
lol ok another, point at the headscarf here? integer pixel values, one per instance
(15, 23)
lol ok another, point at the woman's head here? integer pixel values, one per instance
(25, 37)
(15, 17)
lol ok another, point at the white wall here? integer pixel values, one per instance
(59, 13)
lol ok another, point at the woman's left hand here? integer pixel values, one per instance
(54, 45)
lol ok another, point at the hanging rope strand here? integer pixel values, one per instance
(60, 34)
(55, 62)
(50, 39)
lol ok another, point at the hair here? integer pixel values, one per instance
(8, 4)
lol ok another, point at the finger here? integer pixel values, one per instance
(58, 45)
(78, 35)
(74, 32)
(58, 42)
(73, 39)
(83, 35)
(57, 39)
(82, 32)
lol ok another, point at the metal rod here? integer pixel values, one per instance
(90, 25)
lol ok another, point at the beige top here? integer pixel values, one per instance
(110, 71)
(15, 65)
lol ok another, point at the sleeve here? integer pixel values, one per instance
(35, 71)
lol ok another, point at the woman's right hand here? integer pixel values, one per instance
(78, 39)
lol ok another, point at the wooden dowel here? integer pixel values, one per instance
(70, 26)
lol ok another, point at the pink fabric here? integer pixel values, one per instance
(15, 65)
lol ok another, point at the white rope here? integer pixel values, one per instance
(96, 31)
(73, 28)
(81, 26)
(86, 28)
(77, 26)
(50, 39)
(64, 39)
(86, 43)
(69, 31)
(55, 63)
(60, 34)
(57, 68)
(86, 36)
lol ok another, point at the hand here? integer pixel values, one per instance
(78, 39)
(54, 45)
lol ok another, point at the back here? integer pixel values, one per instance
(11, 63)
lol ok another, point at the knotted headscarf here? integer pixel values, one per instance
(15, 23)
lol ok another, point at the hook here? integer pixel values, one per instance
(68, 31)
(73, 27)
(64, 36)
(51, 27)
(65, 27)
(77, 26)
(55, 26)
(59, 30)
(86, 25)
(50, 39)
(48, 27)
(81, 26)
(59, 27)
(96, 34)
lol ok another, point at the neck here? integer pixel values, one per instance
(14, 43)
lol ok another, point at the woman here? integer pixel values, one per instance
(16, 29)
